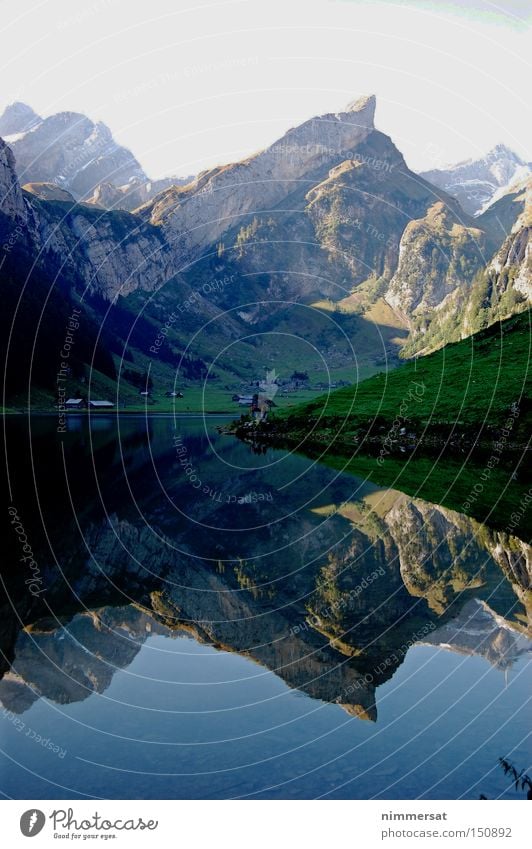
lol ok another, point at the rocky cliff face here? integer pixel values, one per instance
(12, 202)
(133, 194)
(500, 286)
(196, 216)
(438, 253)
(111, 253)
(512, 263)
(476, 183)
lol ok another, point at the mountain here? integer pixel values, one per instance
(339, 225)
(512, 263)
(74, 153)
(477, 183)
(500, 287)
(437, 254)
(69, 150)
(18, 118)
(322, 244)
(219, 199)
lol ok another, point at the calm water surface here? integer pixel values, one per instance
(212, 623)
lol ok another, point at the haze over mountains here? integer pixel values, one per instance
(328, 217)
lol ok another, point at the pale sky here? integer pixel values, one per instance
(187, 85)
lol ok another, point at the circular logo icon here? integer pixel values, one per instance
(32, 822)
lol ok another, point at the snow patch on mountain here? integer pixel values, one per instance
(477, 183)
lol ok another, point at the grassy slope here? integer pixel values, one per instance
(473, 382)
(466, 383)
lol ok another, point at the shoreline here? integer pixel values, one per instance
(370, 436)
(85, 414)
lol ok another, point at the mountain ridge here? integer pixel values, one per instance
(329, 217)
(477, 183)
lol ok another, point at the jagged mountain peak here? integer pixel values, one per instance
(502, 149)
(497, 152)
(75, 153)
(18, 117)
(339, 130)
(477, 183)
(198, 213)
(72, 151)
(365, 102)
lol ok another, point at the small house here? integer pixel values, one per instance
(75, 404)
(101, 405)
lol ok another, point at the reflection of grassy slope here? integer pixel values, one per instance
(448, 482)
(466, 385)
(470, 382)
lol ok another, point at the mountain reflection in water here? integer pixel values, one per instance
(161, 530)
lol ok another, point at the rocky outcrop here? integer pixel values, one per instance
(438, 253)
(134, 193)
(49, 191)
(12, 202)
(112, 253)
(512, 263)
